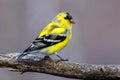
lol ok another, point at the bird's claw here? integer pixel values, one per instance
(61, 60)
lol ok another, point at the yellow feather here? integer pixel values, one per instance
(54, 37)
(57, 27)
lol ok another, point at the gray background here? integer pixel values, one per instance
(96, 34)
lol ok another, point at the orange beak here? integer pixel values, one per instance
(72, 21)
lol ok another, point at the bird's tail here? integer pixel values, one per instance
(19, 57)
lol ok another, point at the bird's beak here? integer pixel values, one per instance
(72, 21)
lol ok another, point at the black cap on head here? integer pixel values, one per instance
(69, 17)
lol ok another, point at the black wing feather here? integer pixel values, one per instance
(45, 41)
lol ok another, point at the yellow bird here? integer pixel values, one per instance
(53, 38)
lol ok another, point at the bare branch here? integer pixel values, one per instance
(64, 69)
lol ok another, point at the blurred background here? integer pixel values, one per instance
(96, 34)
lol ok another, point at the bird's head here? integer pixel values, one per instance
(64, 18)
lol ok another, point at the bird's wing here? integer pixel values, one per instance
(46, 41)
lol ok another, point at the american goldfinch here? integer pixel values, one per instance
(53, 38)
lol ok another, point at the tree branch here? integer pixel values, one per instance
(65, 69)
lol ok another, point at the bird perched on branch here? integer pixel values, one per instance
(53, 38)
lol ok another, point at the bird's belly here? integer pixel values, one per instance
(55, 48)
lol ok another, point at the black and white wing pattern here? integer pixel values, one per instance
(45, 41)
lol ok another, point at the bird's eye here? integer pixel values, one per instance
(66, 17)
(69, 17)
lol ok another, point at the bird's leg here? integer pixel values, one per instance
(61, 59)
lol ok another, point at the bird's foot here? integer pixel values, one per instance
(61, 59)
(64, 59)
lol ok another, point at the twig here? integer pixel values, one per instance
(62, 68)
